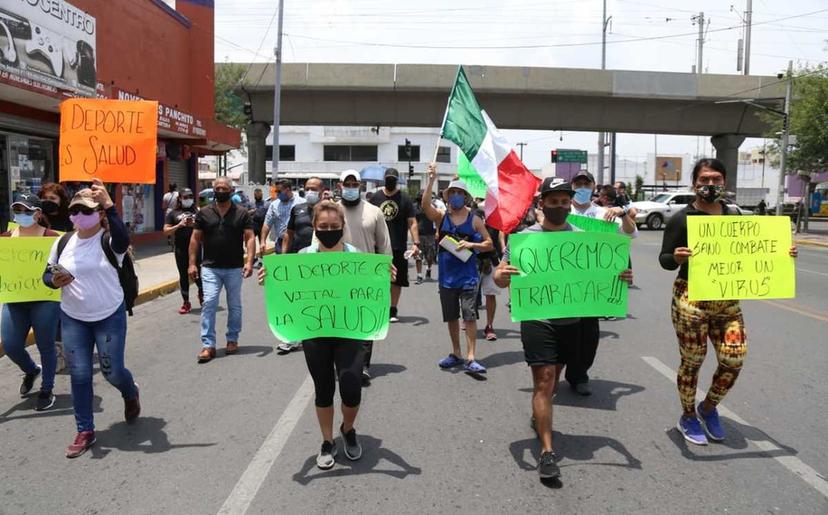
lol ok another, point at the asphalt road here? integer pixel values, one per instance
(240, 432)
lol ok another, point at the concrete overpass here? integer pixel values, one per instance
(413, 95)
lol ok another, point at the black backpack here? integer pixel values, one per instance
(126, 272)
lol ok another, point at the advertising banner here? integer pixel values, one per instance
(668, 169)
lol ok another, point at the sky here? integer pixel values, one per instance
(656, 35)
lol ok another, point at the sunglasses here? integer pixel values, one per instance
(81, 209)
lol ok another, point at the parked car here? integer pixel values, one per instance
(654, 213)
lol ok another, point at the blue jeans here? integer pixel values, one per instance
(18, 318)
(212, 280)
(79, 341)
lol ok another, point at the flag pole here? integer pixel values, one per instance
(445, 115)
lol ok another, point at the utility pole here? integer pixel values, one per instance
(521, 145)
(700, 52)
(601, 135)
(748, 22)
(783, 158)
(277, 93)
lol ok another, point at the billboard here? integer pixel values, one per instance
(47, 46)
(668, 169)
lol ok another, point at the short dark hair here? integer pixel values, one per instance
(609, 191)
(286, 183)
(708, 162)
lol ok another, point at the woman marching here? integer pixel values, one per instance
(39, 316)
(179, 223)
(55, 205)
(695, 322)
(93, 312)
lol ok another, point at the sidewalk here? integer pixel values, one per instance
(814, 237)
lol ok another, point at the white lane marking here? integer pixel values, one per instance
(811, 271)
(792, 463)
(249, 483)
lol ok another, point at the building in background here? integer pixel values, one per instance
(119, 49)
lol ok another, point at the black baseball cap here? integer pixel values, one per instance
(551, 184)
(28, 200)
(392, 172)
(585, 174)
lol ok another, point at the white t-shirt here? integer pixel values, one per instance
(96, 291)
(596, 211)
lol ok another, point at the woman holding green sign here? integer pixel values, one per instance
(39, 316)
(332, 359)
(695, 322)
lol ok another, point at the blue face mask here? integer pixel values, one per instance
(583, 195)
(350, 194)
(457, 200)
(283, 196)
(24, 220)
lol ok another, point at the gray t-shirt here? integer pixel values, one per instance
(539, 228)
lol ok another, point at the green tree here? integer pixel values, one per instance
(639, 188)
(229, 106)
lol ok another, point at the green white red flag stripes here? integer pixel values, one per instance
(510, 186)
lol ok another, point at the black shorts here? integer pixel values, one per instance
(457, 302)
(402, 268)
(545, 343)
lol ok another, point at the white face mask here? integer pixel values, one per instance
(311, 197)
(187, 202)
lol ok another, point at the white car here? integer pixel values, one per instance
(654, 213)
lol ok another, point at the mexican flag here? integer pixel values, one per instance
(510, 186)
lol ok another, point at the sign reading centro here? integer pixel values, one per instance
(112, 140)
(740, 257)
(22, 262)
(328, 294)
(568, 274)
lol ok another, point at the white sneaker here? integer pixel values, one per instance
(325, 460)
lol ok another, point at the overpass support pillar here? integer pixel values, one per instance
(727, 151)
(257, 151)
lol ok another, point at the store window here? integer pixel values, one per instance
(444, 154)
(26, 163)
(403, 156)
(136, 207)
(350, 153)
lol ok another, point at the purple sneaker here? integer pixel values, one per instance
(450, 361)
(711, 424)
(691, 429)
(473, 367)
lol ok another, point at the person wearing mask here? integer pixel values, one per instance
(428, 247)
(223, 232)
(547, 344)
(179, 224)
(278, 216)
(621, 197)
(398, 210)
(54, 200)
(577, 369)
(39, 316)
(299, 234)
(332, 360)
(258, 212)
(696, 322)
(93, 313)
(366, 229)
(458, 279)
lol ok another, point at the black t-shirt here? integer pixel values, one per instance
(424, 225)
(223, 237)
(397, 209)
(675, 235)
(182, 235)
(301, 223)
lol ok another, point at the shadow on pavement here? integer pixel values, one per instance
(502, 359)
(144, 435)
(372, 454)
(260, 350)
(608, 334)
(605, 394)
(63, 406)
(415, 321)
(738, 438)
(384, 369)
(506, 334)
(572, 447)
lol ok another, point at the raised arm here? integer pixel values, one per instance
(433, 214)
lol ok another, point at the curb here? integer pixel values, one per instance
(144, 296)
(812, 243)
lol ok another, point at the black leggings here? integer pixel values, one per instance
(182, 261)
(322, 355)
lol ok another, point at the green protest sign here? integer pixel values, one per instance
(22, 262)
(339, 294)
(467, 174)
(568, 274)
(588, 224)
(740, 257)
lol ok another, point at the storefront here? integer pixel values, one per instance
(26, 163)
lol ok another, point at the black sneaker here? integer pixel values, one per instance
(45, 400)
(547, 468)
(428, 274)
(28, 382)
(353, 449)
(366, 378)
(325, 460)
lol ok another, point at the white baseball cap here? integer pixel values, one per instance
(348, 173)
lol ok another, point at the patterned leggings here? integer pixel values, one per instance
(695, 322)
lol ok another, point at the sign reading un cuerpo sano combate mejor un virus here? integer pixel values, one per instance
(47, 46)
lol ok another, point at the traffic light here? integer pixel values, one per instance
(411, 170)
(555, 156)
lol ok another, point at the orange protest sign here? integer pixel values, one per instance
(111, 140)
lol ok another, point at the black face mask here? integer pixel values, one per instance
(709, 193)
(390, 183)
(223, 196)
(50, 207)
(330, 238)
(555, 215)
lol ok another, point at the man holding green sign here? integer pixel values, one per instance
(585, 281)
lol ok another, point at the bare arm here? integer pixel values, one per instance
(414, 229)
(486, 245)
(195, 246)
(287, 241)
(170, 229)
(433, 214)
